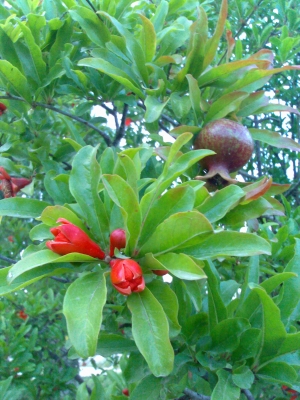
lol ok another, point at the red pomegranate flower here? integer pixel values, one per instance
(127, 276)
(117, 240)
(68, 238)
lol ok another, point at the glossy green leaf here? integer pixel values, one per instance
(84, 180)
(229, 243)
(148, 38)
(225, 71)
(133, 46)
(83, 304)
(154, 108)
(182, 266)
(256, 78)
(174, 149)
(252, 103)
(110, 343)
(217, 311)
(195, 96)
(291, 289)
(150, 331)
(224, 105)
(148, 389)
(22, 208)
(4, 385)
(225, 389)
(43, 257)
(176, 232)
(215, 207)
(274, 139)
(273, 107)
(273, 330)
(114, 72)
(125, 198)
(168, 300)
(249, 346)
(225, 335)
(91, 24)
(31, 276)
(244, 212)
(15, 80)
(175, 200)
(278, 372)
(51, 214)
(35, 52)
(243, 377)
(196, 47)
(213, 43)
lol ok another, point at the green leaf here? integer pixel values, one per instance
(148, 389)
(125, 198)
(154, 108)
(225, 335)
(35, 53)
(224, 72)
(51, 214)
(96, 30)
(22, 208)
(178, 199)
(169, 302)
(114, 72)
(215, 207)
(195, 96)
(109, 344)
(224, 105)
(182, 266)
(274, 139)
(225, 389)
(150, 331)
(43, 257)
(133, 46)
(177, 232)
(83, 304)
(291, 289)
(278, 372)
(213, 43)
(15, 80)
(217, 311)
(249, 346)
(31, 276)
(273, 330)
(196, 48)
(229, 243)
(256, 78)
(148, 38)
(84, 180)
(244, 212)
(243, 377)
(4, 385)
(59, 191)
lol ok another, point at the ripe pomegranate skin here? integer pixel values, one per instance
(232, 143)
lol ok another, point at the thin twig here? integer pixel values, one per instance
(10, 260)
(292, 189)
(121, 130)
(195, 396)
(248, 394)
(34, 104)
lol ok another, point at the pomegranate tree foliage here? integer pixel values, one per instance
(226, 326)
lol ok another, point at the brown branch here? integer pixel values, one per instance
(121, 130)
(34, 104)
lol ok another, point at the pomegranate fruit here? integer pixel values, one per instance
(233, 145)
